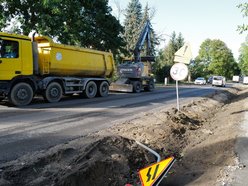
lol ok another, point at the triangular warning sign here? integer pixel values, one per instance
(184, 54)
(153, 173)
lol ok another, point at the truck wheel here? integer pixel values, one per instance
(150, 87)
(103, 89)
(53, 92)
(136, 86)
(90, 90)
(21, 94)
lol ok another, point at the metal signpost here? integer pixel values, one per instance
(153, 174)
(179, 71)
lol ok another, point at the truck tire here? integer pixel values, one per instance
(136, 86)
(21, 94)
(150, 87)
(53, 92)
(90, 89)
(103, 89)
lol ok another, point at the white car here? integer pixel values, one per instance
(219, 81)
(200, 81)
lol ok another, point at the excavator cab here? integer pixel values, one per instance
(134, 76)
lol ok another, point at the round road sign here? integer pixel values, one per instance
(179, 71)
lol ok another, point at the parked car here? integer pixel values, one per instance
(219, 81)
(210, 79)
(200, 81)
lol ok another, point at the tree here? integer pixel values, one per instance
(199, 68)
(243, 58)
(132, 25)
(84, 23)
(174, 45)
(216, 58)
(165, 58)
(179, 41)
(153, 37)
(244, 10)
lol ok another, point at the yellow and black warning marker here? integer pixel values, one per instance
(153, 174)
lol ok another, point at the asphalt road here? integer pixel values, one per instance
(41, 125)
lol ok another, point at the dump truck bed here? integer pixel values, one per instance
(59, 59)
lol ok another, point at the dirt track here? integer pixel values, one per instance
(201, 137)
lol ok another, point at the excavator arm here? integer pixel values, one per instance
(144, 39)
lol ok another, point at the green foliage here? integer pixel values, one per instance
(132, 25)
(198, 69)
(135, 20)
(244, 11)
(2, 17)
(165, 57)
(174, 45)
(243, 58)
(84, 23)
(214, 58)
(153, 37)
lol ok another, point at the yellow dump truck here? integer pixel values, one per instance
(39, 66)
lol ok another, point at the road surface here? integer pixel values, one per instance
(40, 125)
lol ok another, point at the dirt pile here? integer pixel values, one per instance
(112, 157)
(112, 160)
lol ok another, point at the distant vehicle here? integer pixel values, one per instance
(200, 81)
(245, 80)
(235, 79)
(219, 81)
(210, 79)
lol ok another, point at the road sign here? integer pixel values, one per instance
(184, 54)
(179, 71)
(154, 173)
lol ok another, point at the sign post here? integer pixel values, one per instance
(177, 95)
(179, 71)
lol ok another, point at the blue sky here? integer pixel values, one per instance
(197, 20)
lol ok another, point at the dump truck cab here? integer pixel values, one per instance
(15, 56)
(16, 61)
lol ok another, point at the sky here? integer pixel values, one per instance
(197, 20)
